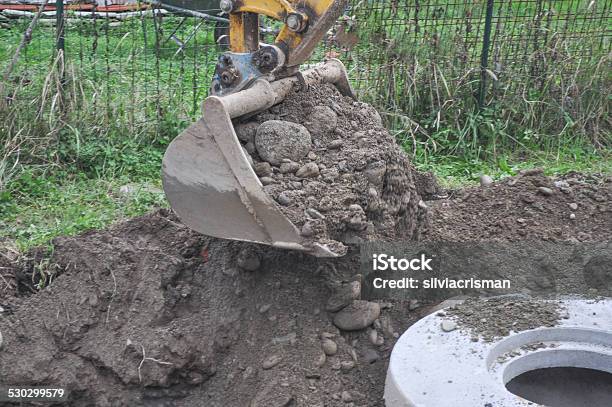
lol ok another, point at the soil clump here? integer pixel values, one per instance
(333, 169)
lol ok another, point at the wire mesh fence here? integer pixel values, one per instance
(540, 64)
(537, 67)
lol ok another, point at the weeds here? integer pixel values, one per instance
(82, 134)
(43, 273)
(35, 208)
(547, 82)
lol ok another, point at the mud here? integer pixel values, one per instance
(354, 184)
(150, 313)
(532, 206)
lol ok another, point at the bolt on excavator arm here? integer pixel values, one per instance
(305, 22)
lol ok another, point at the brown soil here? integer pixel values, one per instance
(150, 313)
(359, 183)
(528, 206)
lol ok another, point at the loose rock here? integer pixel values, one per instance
(322, 120)
(351, 159)
(277, 140)
(335, 144)
(545, 191)
(289, 167)
(314, 214)
(373, 336)
(250, 147)
(329, 347)
(320, 361)
(262, 169)
(347, 365)
(343, 296)
(246, 131)
(308, 170)
(485, 181)
(448, 325)
(266, 181)
(248, 259)
(307, 230)
(346, 397)
(271, 361)
(359, 315)
(284, 199)
(370, 355)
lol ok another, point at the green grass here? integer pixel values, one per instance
(460, 171)
(64, 156)
(41, 208)
(98, 184)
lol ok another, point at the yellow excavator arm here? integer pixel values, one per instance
(305, 22)
(206, 173)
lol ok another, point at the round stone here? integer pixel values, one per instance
(485, 180)
(358, 315)
(308, 170)
(322, 120)
(448, 325)
(277, 140)
(246, 131)
(329, 347)
(271, 361)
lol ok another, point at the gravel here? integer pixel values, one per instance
(330, 154)
(496, 317)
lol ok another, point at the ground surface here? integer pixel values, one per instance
(150, 313)
(527, 206)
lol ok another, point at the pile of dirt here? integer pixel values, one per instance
(333, 168)
(530, 206)
(497, 317)
(151, 313)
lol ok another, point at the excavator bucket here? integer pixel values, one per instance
(207, 177)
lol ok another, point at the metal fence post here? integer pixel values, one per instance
(484, 56)
(59, 45)
(59, 25)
